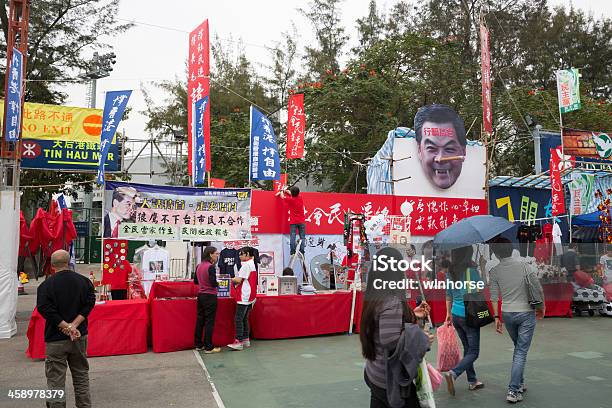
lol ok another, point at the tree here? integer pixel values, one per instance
(283, 71)
(62, 33)
(324, 15)
(370, 28)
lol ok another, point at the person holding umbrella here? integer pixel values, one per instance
(462, 268)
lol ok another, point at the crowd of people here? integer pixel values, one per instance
(390, 334)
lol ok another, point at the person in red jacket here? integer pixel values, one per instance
(297, 221)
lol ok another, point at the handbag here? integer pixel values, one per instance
(535, 293)
(477, 313)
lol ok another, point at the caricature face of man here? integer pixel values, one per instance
(439, 140)
(123, 209)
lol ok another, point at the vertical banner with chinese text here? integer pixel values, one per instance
(568, 90)
(199, 143)
(485, 69)
(198, 86)
(264, 158)
(296, 125)
(114, 106)
(558, 201)
(12, 125)
(278, 185)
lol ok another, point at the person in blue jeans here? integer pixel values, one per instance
(508, 281)
(462, 269)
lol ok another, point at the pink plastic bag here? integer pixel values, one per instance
(448, 348)
(434, 376)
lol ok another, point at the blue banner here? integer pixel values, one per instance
(199, 145)
(67, 155)
(13, 98)
(264, 158)
(114, 106)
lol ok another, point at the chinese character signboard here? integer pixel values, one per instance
(54, 122)
(198, 86)
(141, 211)
(558, 200)
(485, 70)
(68, 155)
(568, 90)
(325, 211)
(280, 184)
(199, 143)
(13, 97)
(114, 106)
(264, 158)
(296, 124)
(582, 189)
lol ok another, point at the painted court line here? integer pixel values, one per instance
(215, 393)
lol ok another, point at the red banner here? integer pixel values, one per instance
(296, 124)
(485, 69)
(280, 184)
(115, 263)
(217, 183)
(198, 85)
(558, 201)
(325, 211)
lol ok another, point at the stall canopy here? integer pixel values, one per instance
(587, 220)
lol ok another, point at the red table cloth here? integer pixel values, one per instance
(281, 317)
(115, 327)
(173, 323)
(169, 289)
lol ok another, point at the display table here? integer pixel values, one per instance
(558, 299)
(281, 317)
(115, 327)
(173, 317)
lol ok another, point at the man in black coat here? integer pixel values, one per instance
(65, 300)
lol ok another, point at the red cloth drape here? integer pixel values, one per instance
(24, 234)
(115, 327)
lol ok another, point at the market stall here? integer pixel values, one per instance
(115, 327)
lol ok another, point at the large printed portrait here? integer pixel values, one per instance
(439, 161)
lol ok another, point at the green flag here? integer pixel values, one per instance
(568, 90)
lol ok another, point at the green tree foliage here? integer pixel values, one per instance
(410, 55)
(62, 36)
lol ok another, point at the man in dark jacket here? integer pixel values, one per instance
(65, 300)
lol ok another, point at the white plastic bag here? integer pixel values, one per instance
(425, 391)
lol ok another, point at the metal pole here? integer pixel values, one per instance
(536, 149)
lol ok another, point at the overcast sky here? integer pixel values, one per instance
(146, 53)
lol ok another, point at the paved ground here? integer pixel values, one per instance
(137, 381)
(570, 365)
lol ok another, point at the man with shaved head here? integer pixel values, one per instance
(65, 299)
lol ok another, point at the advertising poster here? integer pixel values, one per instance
(439, 161)
(142, 211)
(591, 145)
(266, 263)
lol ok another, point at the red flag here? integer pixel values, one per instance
(198, 85)
(485, 69)
(296, 124)
(558, 200)
(280, 184)
(217, 183)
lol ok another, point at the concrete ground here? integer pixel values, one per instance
(139, 381)
(569, 365)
